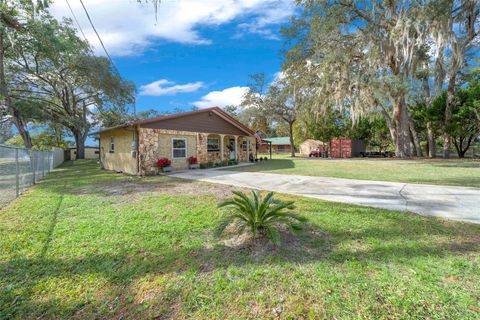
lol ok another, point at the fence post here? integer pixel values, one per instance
(43, 164)
(17, 172)
(32, 165)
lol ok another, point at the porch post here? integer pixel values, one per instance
(222, 136)
(236, 153)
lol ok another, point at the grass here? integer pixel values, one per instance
(85, 243)
(455, 172)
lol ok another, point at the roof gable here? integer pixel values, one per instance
(210, 120)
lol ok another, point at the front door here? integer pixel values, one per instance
(233, 149)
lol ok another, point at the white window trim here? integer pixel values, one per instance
(186, 149)
(219, 146)
(112, 143)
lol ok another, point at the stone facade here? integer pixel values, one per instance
(154, 144)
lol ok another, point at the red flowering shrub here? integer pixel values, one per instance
(163, 162)
(193, 160)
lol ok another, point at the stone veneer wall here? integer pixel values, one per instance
(154, 144)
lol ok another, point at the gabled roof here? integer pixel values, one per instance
(279, 140)
(216, 110)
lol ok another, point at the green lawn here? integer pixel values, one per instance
(456, 172)
(85, 243)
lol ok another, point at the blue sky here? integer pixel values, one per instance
(196, 53)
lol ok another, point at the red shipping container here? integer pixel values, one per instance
(346, 148)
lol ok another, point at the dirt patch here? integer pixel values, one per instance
(305, 245)
(173, 187)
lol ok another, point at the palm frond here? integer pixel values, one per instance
(259, 213)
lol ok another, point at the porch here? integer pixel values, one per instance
(219, 148)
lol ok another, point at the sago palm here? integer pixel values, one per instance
(262, 216)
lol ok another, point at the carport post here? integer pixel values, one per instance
(17, 172)
(270, 143)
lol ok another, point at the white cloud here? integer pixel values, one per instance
(229, 96)
(277, 76)
(164, 87)
(128, 28)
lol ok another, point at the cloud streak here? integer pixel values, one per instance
(164, 87)
(222, 98)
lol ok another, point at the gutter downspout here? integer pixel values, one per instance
(135, 134)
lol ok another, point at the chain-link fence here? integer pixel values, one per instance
(20, 168)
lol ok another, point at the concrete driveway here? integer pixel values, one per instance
(457, 203)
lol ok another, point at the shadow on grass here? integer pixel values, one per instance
(399, 239)
(274, 164)
(124, 268)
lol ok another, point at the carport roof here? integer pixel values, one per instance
(278, 140)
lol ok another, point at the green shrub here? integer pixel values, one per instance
(262, 216)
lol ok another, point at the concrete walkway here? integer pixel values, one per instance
(458, 203)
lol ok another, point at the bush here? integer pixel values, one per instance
(262, 216)
(193, 160)
(163, 162)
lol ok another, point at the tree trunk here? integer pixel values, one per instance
(400, 116)
(390, 125)
(448, 114)
(432, 148)
(17, 120)
(292, 146)
(413, 132)
(461, 151)
(79, 143)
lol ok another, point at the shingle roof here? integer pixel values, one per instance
(218, 110)
(278, 140)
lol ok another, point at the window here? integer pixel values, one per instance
(179, 148)
(112, 145)
(213, 144)
(97, 152)
(281, 148)
(244, 146)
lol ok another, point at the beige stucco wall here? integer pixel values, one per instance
(165, 149)
(89, 153)
(121, 159)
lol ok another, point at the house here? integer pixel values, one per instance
(211, 135)
(90, 153)
(279, 145)
(309, 145)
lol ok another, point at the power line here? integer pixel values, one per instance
(105, 49)
(75, 18)
(98, 36)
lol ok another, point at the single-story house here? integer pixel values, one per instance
(309, 145)
(90, 153)
(211, 135)
(279, 145)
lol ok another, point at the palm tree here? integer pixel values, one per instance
(262, 216)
